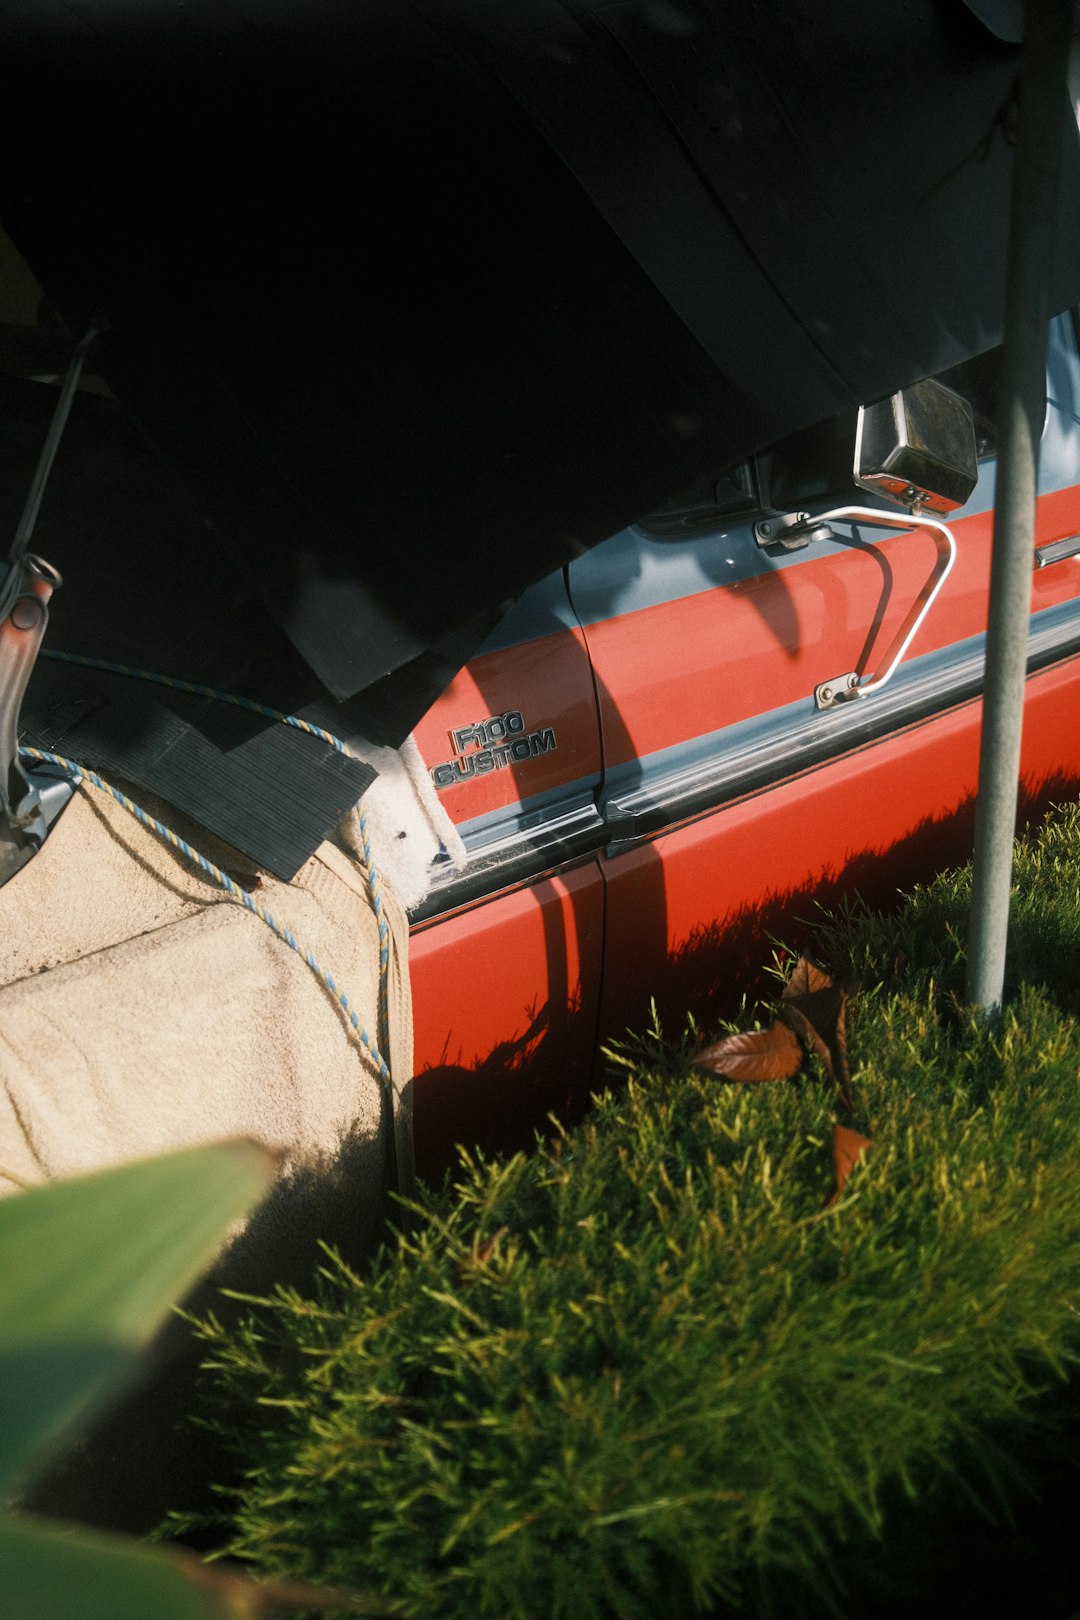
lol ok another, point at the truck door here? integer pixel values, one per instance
(732, 802)
(506, 957)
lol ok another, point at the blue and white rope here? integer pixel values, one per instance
(80, 773)
(374, 883)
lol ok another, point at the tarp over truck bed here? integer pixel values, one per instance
(422, 296)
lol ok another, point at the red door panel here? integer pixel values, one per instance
(669, 672)
(505, 1007)
(506, 986)
(547, 681)
(689, 914)
(517, 728)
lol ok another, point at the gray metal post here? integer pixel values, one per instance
(29, 518)
(1034, 200)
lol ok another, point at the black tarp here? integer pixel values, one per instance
(421, 298)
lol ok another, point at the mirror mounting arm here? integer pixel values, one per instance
(842, 688)
(791, 530)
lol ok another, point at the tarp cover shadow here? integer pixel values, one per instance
(422, 298)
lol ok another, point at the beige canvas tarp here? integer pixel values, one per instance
(141, 1009)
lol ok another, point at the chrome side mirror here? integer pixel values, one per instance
(917, 448)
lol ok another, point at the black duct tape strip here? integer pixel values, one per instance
(274, 798)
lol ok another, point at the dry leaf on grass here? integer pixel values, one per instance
(797, 1021)
(814, 993)
(848, 1149)
(815, 1007)
(763, 1054)
(812, 1015)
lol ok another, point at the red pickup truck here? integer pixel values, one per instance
(420, 301)
(647, 788)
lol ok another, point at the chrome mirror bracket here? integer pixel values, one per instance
(840, 689)
(844, 687)
(791, 530)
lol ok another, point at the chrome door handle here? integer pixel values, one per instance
(1057, 551)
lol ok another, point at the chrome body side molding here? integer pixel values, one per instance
(703, 775)
(714, 770)
(508, 853)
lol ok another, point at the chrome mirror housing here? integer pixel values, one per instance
(917, 448)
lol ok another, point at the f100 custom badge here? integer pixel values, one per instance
(491, 745)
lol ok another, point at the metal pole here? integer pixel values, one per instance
(29, 517)
(1042, 93)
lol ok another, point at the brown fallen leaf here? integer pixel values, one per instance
(848, 1149)
(805, 979)
(815, 994)
(763, 1054)
(797, 1021)
(815, 1006)
(486, 1249)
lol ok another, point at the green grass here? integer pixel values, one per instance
(644, 1370)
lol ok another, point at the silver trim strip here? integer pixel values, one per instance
(800, 738)
(773, 747)
(505, 856)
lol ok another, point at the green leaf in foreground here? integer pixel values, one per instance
(89, 1267)
(48, 1572)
